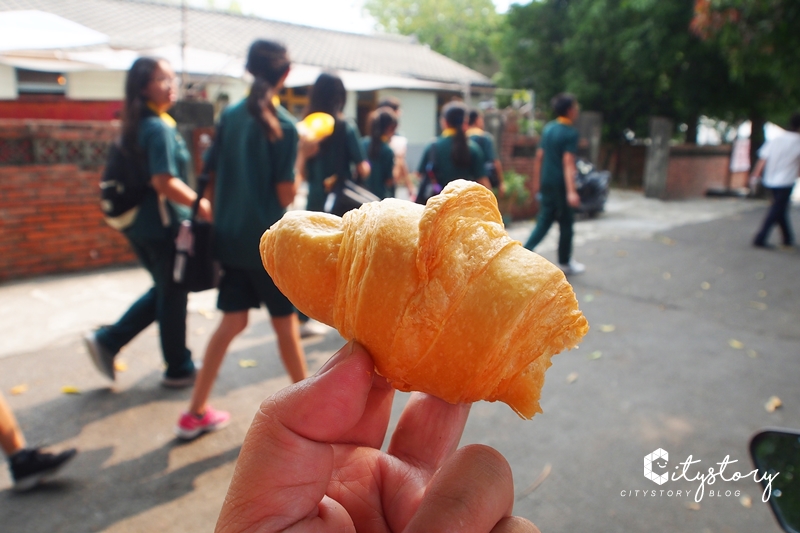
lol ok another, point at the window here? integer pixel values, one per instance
(37, 82)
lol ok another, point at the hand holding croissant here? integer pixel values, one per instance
(444, 300)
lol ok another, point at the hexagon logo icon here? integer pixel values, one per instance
(656, 457)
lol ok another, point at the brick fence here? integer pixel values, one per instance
(694, 170)
(517, 152)
(50, 220)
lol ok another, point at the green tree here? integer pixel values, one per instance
(462, 30)
(761, 41)
(629, 59)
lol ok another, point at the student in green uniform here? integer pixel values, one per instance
(334, 155)
(252, 165)
(337, 152)
(485, 140)
(555, 164)
(147, 129)
(452, 154)
(382, 123)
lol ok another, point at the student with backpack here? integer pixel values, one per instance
(382, 124)
(452, 155)
(339, 151)
(251, 166)
(150, 137)
(331, 158)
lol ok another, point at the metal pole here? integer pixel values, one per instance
(184, 75)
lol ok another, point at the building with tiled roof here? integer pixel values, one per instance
(372, 66)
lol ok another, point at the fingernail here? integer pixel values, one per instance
(337, 358)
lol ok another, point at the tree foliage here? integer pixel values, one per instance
(760, 40)
(462, 30)
(629, 59)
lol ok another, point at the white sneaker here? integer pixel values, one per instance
(573, 267)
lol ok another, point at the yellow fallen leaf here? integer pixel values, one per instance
(736, 345)
(16, 390)
(607, 328)
(247, 363)
(69, 389)
(694, 506)
(705, 285)
(622, 253)
(773, 404)
(572, 378)
(752, 353)
(761, 306)
(207, 313)
(746, 501)
(597, 354)
(120, 366)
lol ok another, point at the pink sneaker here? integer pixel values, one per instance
(190, 426)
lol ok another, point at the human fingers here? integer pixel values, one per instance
(471, 493)
(370, 430)
(428, 431)
(286, 460)
(515, 524)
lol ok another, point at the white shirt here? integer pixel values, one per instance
(782, 155)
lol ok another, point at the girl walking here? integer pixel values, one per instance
(252, 171)
(150, 133)
(382, 125)
(452, 155)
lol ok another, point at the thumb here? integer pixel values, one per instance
(286, 462)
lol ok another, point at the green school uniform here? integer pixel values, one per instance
(166, 153)
(443, 166)
(326, 163)
(557, 139)
(485, 140)
(379, 180)
(153, 242)
(248, 169)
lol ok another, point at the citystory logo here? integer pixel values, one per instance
(660, 459)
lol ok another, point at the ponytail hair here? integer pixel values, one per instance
(136, 81)
(268, 62)
(455, 113)
(380, 121)
(328, 95)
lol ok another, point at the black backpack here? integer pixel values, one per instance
(124, 182)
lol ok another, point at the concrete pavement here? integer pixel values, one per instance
(692, 332)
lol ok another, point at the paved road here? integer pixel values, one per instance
(692, 332)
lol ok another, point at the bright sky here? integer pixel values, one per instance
(342, 15)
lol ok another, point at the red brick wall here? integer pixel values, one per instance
(693, 170)
(513, 141)
(50, 220)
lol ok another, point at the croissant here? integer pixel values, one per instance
(442, 298)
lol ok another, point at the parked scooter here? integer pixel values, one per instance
(592, 187)
(778, 450)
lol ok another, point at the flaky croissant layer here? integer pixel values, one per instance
(444, 300)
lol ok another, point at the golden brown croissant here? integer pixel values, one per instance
(444, 300)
